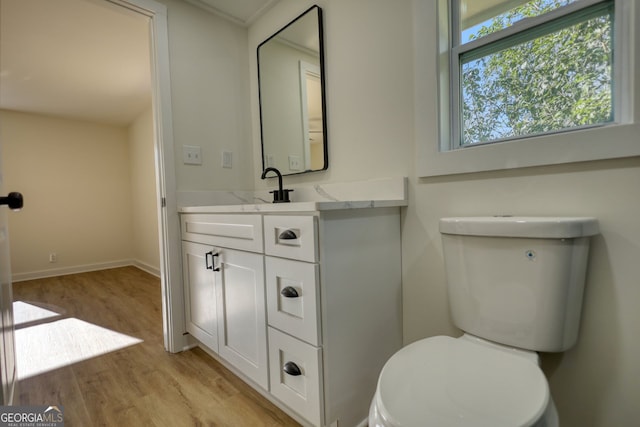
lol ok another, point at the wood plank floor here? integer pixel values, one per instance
(141, 385)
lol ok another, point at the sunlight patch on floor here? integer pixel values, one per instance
(24, 313)
(48, 346)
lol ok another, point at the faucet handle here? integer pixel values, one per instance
(281, 196)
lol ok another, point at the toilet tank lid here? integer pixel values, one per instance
(521, 226)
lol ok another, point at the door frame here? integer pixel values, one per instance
(173, 324)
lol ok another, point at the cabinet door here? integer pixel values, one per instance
(199, 294)
(241, 313)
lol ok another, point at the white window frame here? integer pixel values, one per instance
(435, 154)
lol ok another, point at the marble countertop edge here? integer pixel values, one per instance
(294, 206)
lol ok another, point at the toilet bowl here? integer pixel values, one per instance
(515, 287)
(443, 381)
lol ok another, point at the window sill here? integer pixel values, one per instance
(606, 142)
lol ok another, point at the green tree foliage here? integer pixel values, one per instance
(556, 81)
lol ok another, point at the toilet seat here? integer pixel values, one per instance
(444, 381)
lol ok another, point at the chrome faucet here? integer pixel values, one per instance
(280, 195)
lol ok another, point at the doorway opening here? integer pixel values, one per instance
(156, 124)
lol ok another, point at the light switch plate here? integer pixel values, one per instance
(294, 163)
(192, 155)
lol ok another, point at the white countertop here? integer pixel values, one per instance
(294, 206)
(379, 193)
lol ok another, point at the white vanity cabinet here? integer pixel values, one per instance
(223, 270)
(334, 309)
(330, 312)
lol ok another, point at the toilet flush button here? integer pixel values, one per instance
(530, 254)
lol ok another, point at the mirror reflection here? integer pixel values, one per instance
(291, 90)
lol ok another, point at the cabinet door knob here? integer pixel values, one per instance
(211, 255)
(292, 369)
(289, 292)
(288, 235)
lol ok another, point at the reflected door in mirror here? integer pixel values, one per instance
(292, 105)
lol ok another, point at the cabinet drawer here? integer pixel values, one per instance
(302, 392)
(230, 231)
(292, 298)
(291, 237)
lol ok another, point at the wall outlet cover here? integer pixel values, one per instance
(227, 159)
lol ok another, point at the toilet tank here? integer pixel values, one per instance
(517, 280)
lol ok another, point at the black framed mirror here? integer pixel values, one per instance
(292, 96)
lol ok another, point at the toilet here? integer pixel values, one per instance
(515, 288)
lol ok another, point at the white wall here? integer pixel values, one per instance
(368, 88)
(370, 108)
(89, 192)
(209, 94)
(144, 197)
(75, 179)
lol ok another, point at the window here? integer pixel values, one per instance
(504, 84)
(522, 68)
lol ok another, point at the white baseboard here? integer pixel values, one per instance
(21, 277)
(155, 271)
